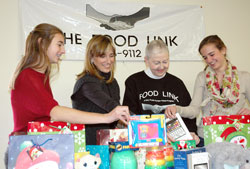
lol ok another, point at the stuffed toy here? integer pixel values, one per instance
(88, 162)
(226, 155)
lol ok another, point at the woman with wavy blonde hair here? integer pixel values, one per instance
(96, 89)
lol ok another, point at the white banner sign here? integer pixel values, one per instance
(131, 25)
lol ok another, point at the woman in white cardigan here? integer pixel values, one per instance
(220, 89)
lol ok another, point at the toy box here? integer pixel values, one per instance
(198, 161)
(183, 144)
(147, 130)
(181, 157)
(177, 129)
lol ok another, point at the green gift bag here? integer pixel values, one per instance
(231, 128)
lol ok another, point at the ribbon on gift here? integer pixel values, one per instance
(64, 130)
(35, 151)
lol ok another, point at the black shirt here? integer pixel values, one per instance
(145, 95)
(94, 95)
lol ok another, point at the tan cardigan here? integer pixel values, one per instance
(202, 101)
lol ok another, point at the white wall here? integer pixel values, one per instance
(227, 18)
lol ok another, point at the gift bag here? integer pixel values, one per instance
(56, 127)
(41, 151)
(231, 128)
(103, 152)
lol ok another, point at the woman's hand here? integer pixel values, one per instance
(195, 137)
(170, 139)
(170, 112)
(119, 113)
(244, 111)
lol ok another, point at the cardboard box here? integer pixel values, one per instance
(147, 130)
(183, 144)
(181, 157)
(198, 161)
(177, 129)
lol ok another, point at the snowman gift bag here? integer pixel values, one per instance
(231, 128)
(41, 151)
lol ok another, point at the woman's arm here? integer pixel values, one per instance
(193, 109)
(246, 81)
(61, 113)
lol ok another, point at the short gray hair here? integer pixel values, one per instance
(155, 46)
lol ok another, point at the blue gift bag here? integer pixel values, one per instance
(41, 151)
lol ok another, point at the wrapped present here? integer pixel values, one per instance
(103, 152)
(231, 128)
(181, 157)
(147, 130)
(41, 151)
(56, 127)
(183, 144)
(104, 136)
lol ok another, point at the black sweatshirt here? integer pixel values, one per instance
(145, 95)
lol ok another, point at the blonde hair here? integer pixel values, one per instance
(35, 56)
(96, 47)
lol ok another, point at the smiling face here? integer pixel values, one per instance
(105, 63)
(214, 57)
(56, 48)
(158, 62)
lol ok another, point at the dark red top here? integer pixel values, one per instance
(32, 99)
